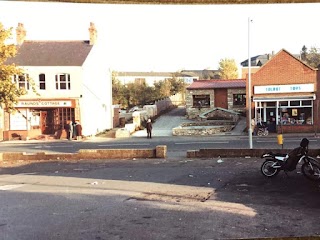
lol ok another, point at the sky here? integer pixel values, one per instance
(171, 37)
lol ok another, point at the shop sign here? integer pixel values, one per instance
(292, 88)
(44, 103)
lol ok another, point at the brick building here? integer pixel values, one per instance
(201, 96)
(285, 94)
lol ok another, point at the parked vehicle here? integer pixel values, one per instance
(262, 129)
(133, 109)
(275, 162)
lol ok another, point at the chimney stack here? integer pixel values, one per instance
(20, 34)
(93, 34)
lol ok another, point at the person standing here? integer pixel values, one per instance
(74, 133)
(254, 127)
(149, 128)
(70, 130)
(78, 130)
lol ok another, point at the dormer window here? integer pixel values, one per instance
(22, 81)
(63, 81)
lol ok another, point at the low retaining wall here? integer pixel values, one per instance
(201, 130)
(159, 152)
(205, 128)
(208, 153)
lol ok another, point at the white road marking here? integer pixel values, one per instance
(55, 146)
(9, 187)
(124, 144)
(284, 140)
(187, 143)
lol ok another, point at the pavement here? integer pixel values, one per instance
(163, 125)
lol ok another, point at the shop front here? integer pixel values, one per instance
(286, 108)
(35, 118)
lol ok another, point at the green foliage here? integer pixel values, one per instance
(119, 92)
(228, 69)
(177, 85)
(139, 93)
(9, 92)
(311, 57)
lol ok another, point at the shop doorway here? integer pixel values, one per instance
(47, 121)
(53, 121)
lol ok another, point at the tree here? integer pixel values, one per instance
(304, 53)
(311, 57)
(139, 93)
(119, 92)
(228, 69)
(9, 90)
(177, 84)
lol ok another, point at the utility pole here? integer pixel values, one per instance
(249, 86)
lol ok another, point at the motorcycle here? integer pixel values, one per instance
(275, 162)
(262, 129)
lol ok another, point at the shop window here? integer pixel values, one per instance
(296, 116)
(18, 120)
(22, 81)
(239, 99)
(306, 103)
(42, 81)
(271, 104)
(200, 101)
(283, 103)
(35, 119)
(294, 103)
(62, 116)
(63, 81)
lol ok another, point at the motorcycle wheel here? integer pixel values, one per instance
(267, 168)
(266, 133)
(311, 171)
(259, 133)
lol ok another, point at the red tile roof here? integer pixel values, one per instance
(211, 84)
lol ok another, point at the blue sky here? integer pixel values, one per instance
(171, 37)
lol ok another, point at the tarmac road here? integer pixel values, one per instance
(143, 199)
(194, 199)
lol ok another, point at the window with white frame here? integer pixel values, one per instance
(63, 81)
(42, 81)
(22, 81)
(296, 112)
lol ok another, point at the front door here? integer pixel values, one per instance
(221, 98)
(47, 121)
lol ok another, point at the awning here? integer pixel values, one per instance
(274, 98)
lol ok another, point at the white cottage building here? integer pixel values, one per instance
(72, 82)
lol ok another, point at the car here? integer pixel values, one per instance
(135, 108)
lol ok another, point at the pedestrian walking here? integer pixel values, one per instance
(149, 128)
(78, 130)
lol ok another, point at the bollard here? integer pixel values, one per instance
(280, 140)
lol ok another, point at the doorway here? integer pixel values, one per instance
(221, 98)
(47, 121)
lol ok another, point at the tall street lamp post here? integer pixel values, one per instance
(249, 86)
